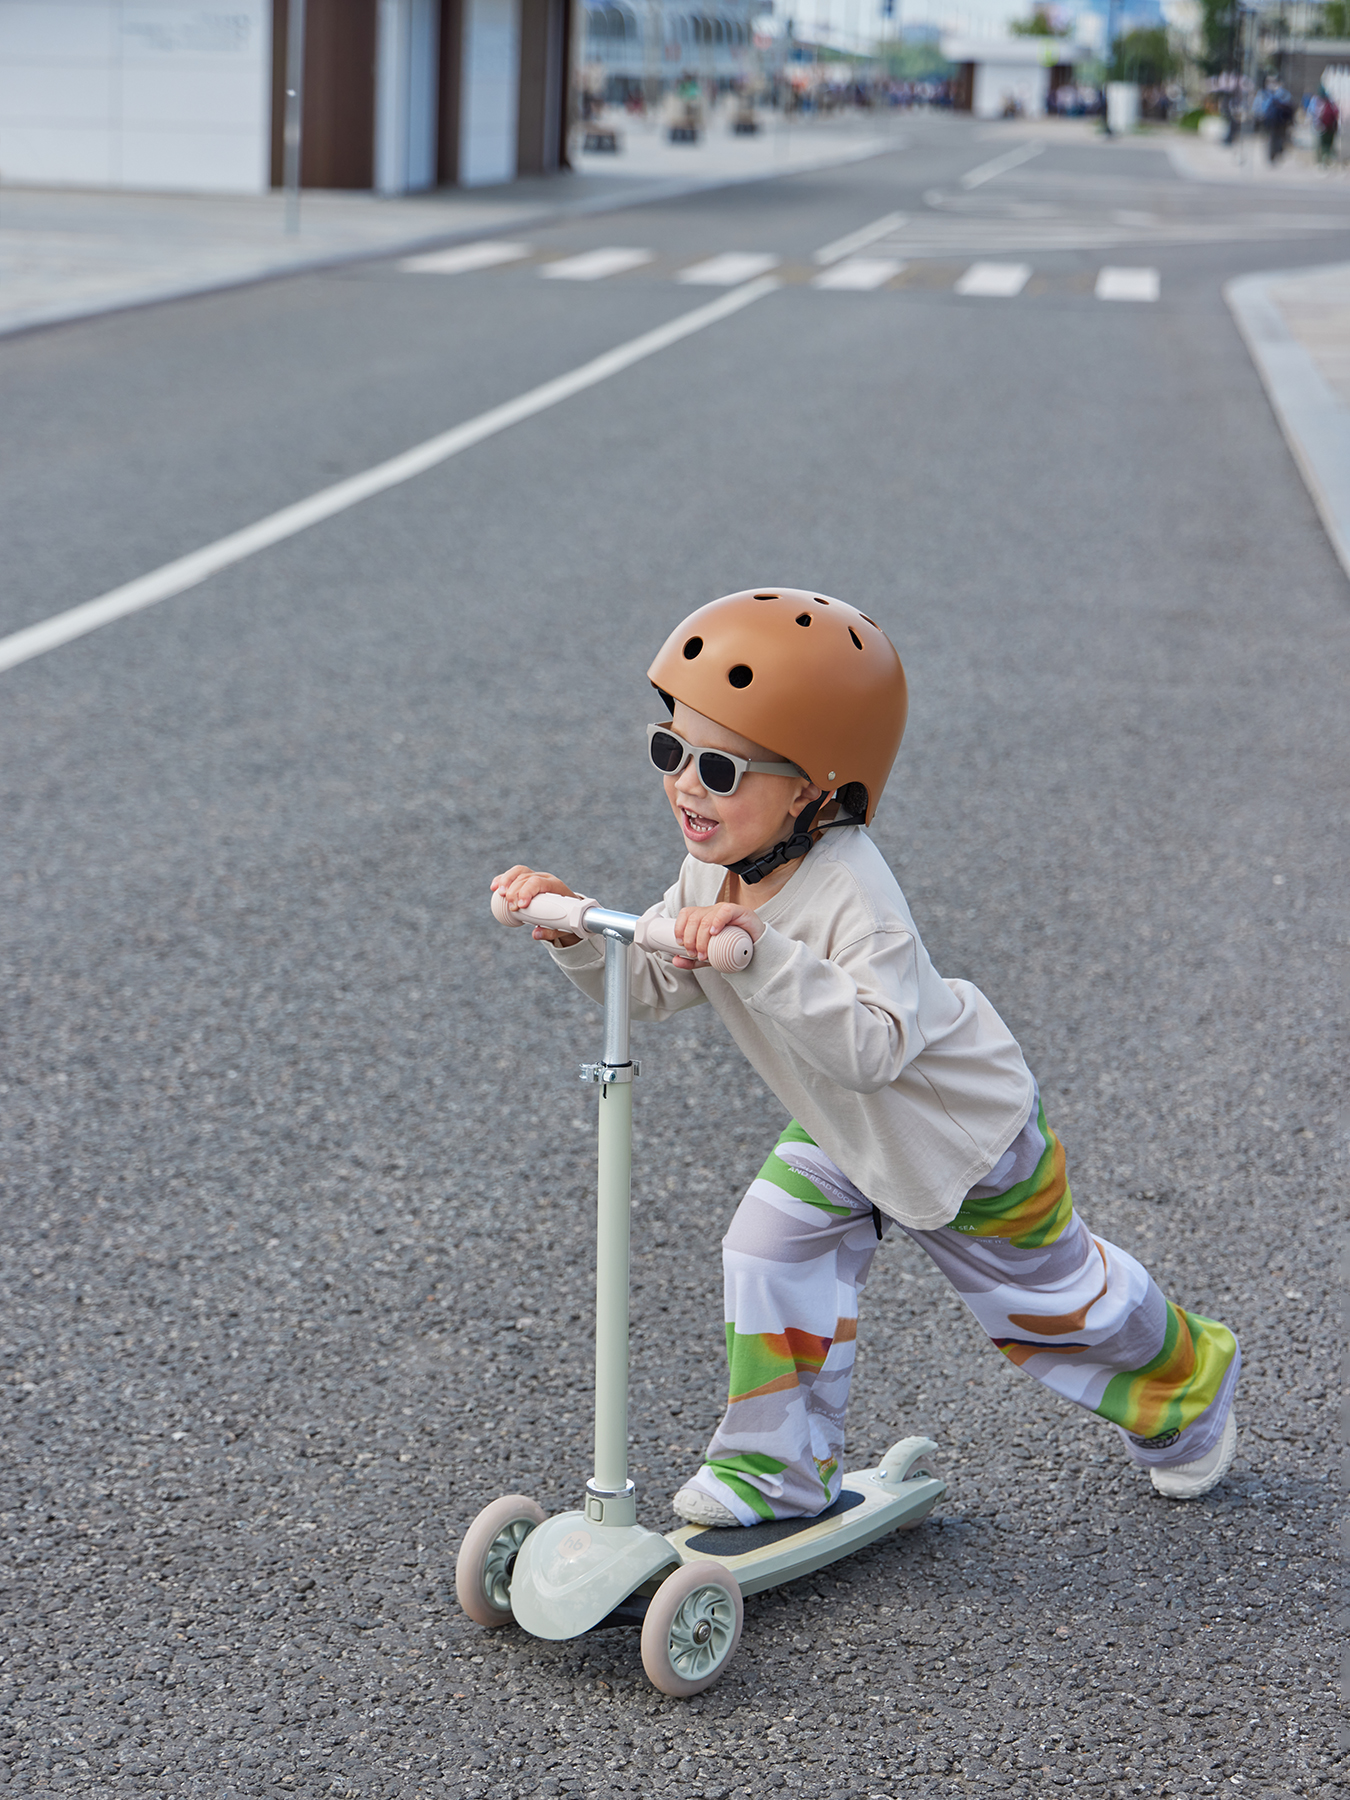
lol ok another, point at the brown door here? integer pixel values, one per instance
(451, 75)
(338, 136)
(541, 129)
(963, 87)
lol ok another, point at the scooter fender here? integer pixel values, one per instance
(571, 1572)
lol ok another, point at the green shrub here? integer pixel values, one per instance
(1190, 121)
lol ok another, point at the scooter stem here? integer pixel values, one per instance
(613, 1190)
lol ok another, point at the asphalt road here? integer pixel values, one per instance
(296, 1169)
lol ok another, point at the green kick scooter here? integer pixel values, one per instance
(581, 1571)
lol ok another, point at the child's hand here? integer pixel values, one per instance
(519, 885)
(698, 925)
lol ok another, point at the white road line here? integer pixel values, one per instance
(994, 281)
(858, 240)
(187, 571)
(463, 258)
(974, 178)
(859, 273)
(729, 268)
(595, 265)
(1128, 284)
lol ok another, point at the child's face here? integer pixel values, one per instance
(724, 828)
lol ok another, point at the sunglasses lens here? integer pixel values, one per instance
(667, 752)
(716, 772)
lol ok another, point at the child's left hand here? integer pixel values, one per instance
(698, 925)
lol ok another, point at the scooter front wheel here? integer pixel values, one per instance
(487, 1557)
(691, 1628)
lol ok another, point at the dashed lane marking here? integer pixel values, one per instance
(857, 274)
(1128, 284)
(994, 281)
(729, 268)
(596, 265)
(858, 240)
(464, 258)
(187, 571)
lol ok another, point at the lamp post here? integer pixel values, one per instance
(291, 129)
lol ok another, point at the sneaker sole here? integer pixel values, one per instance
(1173, 1484)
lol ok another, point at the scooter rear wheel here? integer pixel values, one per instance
(691, 1628)
(487, 1558)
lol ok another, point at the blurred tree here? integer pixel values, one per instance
(1144, 56)
(1040, 24)
(1335, 20)
(1220, 44)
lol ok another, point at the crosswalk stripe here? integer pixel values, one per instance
(994, 281)
(859, 273)
(1128, 284)
(595, 265)
(463, 258)
(729, 268)
(974, 178)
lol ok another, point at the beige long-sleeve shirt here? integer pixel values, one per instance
(912, 1085)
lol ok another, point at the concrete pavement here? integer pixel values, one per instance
(68, 254)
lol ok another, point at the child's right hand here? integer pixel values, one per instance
(519, 885)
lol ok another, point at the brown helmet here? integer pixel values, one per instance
(807, 676)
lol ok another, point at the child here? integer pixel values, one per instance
(910, 1101)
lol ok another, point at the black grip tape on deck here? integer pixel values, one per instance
(740, 1540)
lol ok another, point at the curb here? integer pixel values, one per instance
(650, 193)
(1315, 424)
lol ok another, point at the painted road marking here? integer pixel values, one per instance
(1128, 284)
(858, 273)
(974, 178)
(858, 240)
(727, 270)
(463, 258)
(187, 571)
(595, 265)
(994, 281)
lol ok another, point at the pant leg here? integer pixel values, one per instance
(794, 1262)
(1085, 1318)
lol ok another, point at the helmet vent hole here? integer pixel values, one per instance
(856, 639)
(871, 622)
(803, 618)
(820, 602)
(741, 676)
(692, 647)
(766, 596)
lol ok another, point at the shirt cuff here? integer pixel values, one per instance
(583, 955)
(773, 953)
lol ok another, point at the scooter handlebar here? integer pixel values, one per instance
(731, 949)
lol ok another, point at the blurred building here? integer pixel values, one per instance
(641, 44)
(176, 94)
(999, 77)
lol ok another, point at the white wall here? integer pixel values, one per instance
(406, 82)
(995, 81)
(490, 95)
(136, 94)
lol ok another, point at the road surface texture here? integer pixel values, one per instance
(297, 1170)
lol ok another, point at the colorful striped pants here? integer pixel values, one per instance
(1079, 1314)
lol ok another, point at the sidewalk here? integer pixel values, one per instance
(67, 254)
(1249, 163)
(1297, 326)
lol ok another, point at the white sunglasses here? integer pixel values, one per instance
(718, 770)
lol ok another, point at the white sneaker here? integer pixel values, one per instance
(698, 1508)
(1187, 1481)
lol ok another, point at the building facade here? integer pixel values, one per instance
(398, 95)
(631, 44)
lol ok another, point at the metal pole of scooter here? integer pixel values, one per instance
(611, 1485)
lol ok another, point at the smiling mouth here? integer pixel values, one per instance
(696, 826)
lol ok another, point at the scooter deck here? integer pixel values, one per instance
(762, 1556)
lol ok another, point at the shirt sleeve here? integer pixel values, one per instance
(658, 989)
(853, 1017)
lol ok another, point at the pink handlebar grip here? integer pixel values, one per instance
(730, 949)
(559, 912)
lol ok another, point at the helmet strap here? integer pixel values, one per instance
(754, 868)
